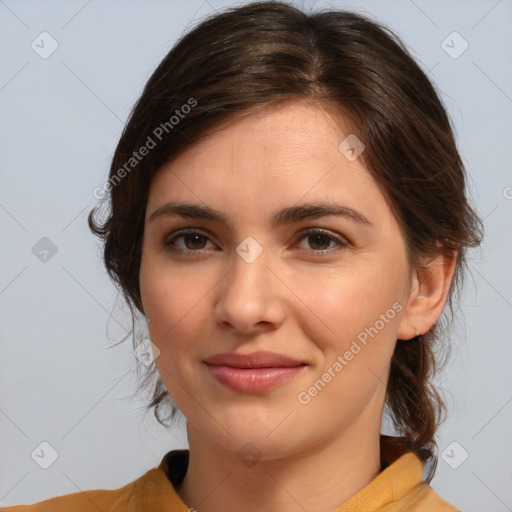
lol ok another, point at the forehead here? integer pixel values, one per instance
(302, 126)
(268, 160)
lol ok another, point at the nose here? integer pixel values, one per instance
(250, 296)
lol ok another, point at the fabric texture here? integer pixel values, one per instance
(397, 488)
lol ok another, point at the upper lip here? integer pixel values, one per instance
(253, 360)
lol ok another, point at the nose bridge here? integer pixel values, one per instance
(249, 269)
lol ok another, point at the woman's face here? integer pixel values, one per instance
(331, 300)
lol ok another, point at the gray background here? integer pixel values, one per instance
(61, 117)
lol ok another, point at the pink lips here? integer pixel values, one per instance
(259, 371)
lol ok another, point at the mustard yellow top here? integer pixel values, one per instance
(398, 488)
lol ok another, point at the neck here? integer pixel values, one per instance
(317, 479)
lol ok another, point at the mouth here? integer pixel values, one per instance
(251, 373)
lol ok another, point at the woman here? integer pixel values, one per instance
(289, 213)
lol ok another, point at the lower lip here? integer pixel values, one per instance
(250, 380)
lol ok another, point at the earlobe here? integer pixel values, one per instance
(428, 295)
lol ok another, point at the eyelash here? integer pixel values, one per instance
(311, 231)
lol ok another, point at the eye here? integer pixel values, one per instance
(192, 239)
(318, 239)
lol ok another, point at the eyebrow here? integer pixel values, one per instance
(285, 216)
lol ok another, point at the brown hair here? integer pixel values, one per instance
(247, 58)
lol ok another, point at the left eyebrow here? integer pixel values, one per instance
(314, 210)
(285, 216)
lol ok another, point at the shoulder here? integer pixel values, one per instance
(106, 500)
(423, 499)
(154, 490)
(86, 501)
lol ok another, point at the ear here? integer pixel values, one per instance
(427, 297)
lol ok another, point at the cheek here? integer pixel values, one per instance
(354, 299)
(358, 319)
(176, 304)
(177, 317)
(168, 291)
(354, 327)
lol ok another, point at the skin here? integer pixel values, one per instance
(313, 456)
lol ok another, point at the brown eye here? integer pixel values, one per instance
(193, 241)
(319, 241)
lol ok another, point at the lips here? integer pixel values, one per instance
(254, 360)
(256, 372)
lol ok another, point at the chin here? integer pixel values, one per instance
(247, 446)
(261, 435)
